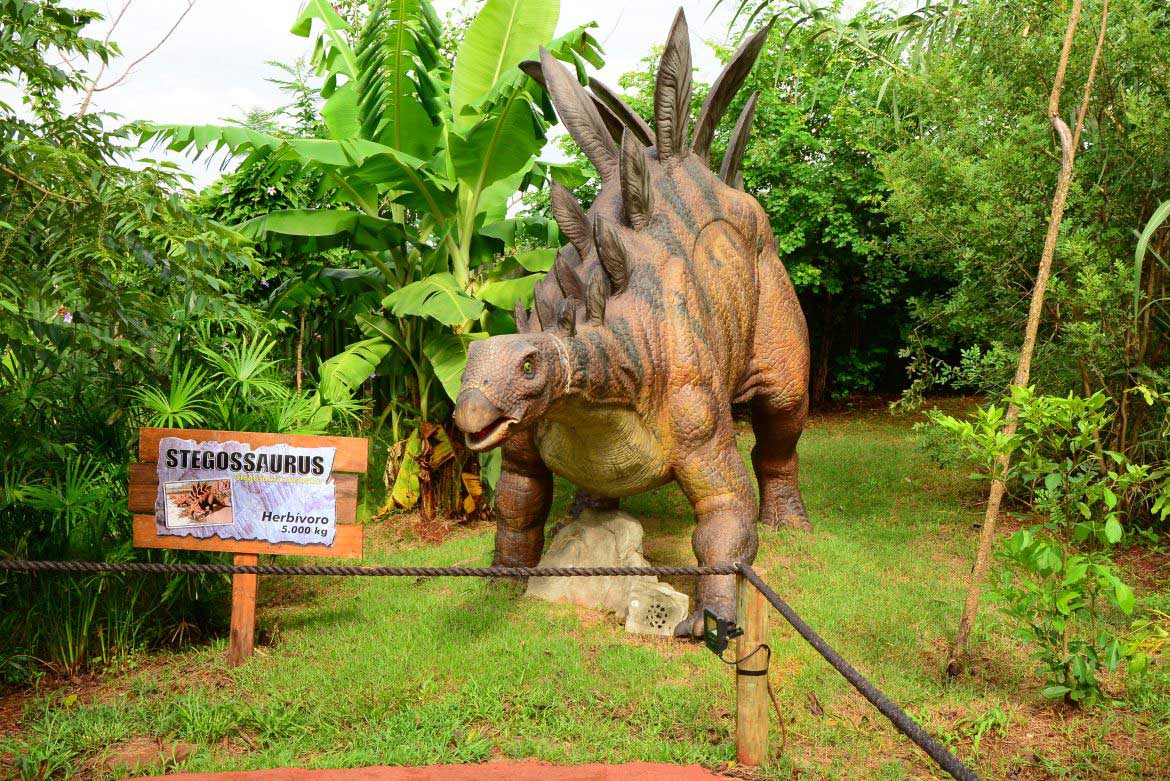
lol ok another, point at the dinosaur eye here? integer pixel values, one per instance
(528, 367)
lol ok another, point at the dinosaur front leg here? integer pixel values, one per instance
(713, 477)
(523, 497)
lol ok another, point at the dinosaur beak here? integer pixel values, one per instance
(483, 424)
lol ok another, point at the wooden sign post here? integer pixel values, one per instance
(349, 460)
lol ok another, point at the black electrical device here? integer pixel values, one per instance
(718, 631)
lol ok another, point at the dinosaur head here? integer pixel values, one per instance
(509, 381)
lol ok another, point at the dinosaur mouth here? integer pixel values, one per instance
(490, 435)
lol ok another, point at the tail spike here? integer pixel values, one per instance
(576, 110)
(571, 218)
(622, 111)
(637, 197)
(739, 138)
(568, 280)
(567, 317)
(595, 297)
(612, 254)
(724, 89)
(672, 93)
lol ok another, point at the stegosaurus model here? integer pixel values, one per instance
(668, 305)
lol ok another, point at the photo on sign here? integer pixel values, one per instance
(198, 503)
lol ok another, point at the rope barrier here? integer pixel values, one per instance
(13, 565)
(906, 725)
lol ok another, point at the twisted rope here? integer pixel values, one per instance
(906, 725)
(352, 571)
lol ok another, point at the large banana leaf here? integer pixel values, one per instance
(502, 34)
(400, 96)
(575, 47)
(438, 297)
(448, 357)
(505, 292)
(198, 138)
(344, 373)
(497, 145)
(320, 229)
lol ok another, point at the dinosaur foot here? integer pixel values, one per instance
(784, 509)
(692, 625)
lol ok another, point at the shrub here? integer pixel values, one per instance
(1058, 582)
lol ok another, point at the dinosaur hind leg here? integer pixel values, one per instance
(523, 498)
(779, 397)
(776, 463)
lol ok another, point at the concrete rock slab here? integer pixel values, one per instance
(605, 538)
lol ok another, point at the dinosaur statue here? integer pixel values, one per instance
(668, 305)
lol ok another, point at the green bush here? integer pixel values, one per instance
(1058, 582)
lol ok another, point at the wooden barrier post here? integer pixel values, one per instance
(243, 611)
(751, 674)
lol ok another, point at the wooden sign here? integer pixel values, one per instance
(246, 494)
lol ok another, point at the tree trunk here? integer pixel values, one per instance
(1068, 144)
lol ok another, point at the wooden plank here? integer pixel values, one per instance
(347, 542)
(751, 690)
(352, 452)
(144, 490)
(243, 612)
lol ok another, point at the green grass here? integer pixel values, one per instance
(397, 671)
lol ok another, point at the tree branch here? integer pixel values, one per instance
(126, 73)
(37, 187)
(1068, 144)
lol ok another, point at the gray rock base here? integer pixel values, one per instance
(609, 538)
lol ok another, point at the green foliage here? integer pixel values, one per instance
(971, 180)
(121, 306)
(420, 160)
(1058, 578)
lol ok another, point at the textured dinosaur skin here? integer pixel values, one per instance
(669, 305)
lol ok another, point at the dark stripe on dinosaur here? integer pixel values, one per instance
(647, 286)
(581, 361)
(600, 357)
(677, 204)
(662, 231)
(706, 181)
(625, 339)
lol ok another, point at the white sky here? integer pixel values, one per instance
(213, 66)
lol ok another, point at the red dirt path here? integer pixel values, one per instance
(492, 771)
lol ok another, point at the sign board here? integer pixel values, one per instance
(247, 493)
(244, 492)
(277, 493)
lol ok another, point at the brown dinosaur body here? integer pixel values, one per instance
(668, 305)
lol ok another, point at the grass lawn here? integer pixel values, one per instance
(382, 671)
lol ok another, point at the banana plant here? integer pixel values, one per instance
(422, 162)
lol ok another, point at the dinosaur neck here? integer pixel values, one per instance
(602, 369)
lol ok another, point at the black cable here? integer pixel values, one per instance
(906, 725)
(760, 647)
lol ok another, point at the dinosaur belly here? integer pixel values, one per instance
(609, 452)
